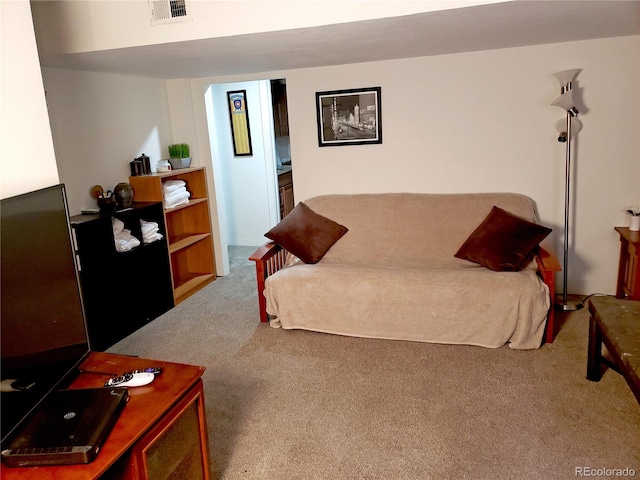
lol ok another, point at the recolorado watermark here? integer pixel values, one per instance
(604, 472)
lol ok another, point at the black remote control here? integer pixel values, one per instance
(155, 370)
(112, 382)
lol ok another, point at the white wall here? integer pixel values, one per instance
(482, 121)
(101, 122)
(27, 159)
(182, 115)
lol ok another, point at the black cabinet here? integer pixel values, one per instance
(122, 290)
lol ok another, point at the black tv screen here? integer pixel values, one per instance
(43, 333)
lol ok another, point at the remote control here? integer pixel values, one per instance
(131, 380)
(155, 370)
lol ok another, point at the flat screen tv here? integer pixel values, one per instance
(43, 332)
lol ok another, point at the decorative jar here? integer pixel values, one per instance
(124, 194)
(163, 166)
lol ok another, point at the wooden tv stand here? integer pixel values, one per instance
(162, 428)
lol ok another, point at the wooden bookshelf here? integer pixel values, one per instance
(188, 227)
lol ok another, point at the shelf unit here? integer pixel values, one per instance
(189, 237)
(122, 291)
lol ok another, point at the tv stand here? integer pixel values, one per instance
(162, 428)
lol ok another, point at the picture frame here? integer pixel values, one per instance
(239, 118)
(349, 117)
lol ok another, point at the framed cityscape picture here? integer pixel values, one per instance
(349, 117)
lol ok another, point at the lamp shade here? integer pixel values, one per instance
(565, 102)
(566, 77)
(576, 126)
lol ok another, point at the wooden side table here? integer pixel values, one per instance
(616, 323)
(162, 428)
(628, 285)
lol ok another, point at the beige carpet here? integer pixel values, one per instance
(305, 405)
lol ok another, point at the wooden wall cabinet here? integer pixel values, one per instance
(285, 193)
(189, 237)
(121, 291)
(280, 110)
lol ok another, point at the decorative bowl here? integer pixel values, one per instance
(177, 163)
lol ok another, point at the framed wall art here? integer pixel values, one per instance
(239, 117)
(349, 117)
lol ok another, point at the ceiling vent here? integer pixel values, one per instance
(168, 11)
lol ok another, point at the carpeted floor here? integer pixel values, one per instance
(304, 405)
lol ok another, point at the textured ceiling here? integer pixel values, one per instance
(503, 25)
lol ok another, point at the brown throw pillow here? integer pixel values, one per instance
(503, 242)
(306, 234)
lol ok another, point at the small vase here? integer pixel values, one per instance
(634, 224)
(124, 194)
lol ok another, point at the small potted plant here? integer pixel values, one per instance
(179, 156)
(634, 213)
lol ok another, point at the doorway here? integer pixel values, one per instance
(282, 146)
(249, 189)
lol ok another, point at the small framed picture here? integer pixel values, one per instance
(239, 117)
(349, 117)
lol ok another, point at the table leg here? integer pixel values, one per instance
(622, 268)
(594, 359)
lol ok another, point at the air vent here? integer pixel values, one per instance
(168, 11)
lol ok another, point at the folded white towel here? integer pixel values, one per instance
(117, 225)
(124, 241)
(174, 201)
(175, 194)
(148, 226)
(177, 197)
(171, 185)
(125, 246)
(154, 237)
(150, 231)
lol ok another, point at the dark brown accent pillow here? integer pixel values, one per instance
(306, 234)
(503, 242)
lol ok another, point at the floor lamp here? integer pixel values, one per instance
(567, 128)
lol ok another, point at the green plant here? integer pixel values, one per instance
(179, 150)
(633, 211)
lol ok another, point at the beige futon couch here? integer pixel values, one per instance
(399, 273)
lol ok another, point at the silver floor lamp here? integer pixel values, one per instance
(567, 128)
